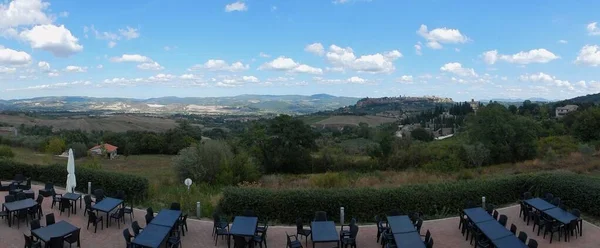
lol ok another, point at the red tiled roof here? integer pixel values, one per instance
(108, 147)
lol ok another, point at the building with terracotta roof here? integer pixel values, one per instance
(107, 150)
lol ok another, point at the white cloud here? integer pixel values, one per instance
(99, 67)
(169, 48)
(52, 86)
(4, 70)
(23, 13)
(53, 73)
(436, 37)
(280, 79)
(72, 68)
(562, 41)
(289, 65)
(375, 63)
(351, 80)
(220, 65)
(273, 8)
(63, 14)
(264, 55)
(13, 57)
(129, 33)
(407, 79)
(131, 58)
(111, 44)
(348, 1)
(150, 66)
(315, 48)
(418, 48)
(550, 80)
(236, 6)
(44, 66)
(589, 55)
(593, 29)
(250, 79)
(55, 39)
(532, 56)
(456, 68)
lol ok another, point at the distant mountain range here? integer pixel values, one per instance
(238, 105)
(517, 100)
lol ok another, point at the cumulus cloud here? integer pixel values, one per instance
(57, 40)
(44, 66)
(456, 68)
(374, 63)
(13, 57)
(436, 37)
(589, 55)
(129, 33)
(550, 80)
(52, 86)
(236, 6)
(220, 65)
(406, 79)
(593, 29)
(5, 70)
(289, 65)
(150, 66)
(562, 41)
(72, 68)
(524, 57)
(315, 48)
(351, 80)
(131, 58)
(418, 48)
(264, 55)
(24, 13)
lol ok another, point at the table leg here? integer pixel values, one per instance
(9, 218)
(107, 219)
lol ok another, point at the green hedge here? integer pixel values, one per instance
(434, 200)
(134, 186)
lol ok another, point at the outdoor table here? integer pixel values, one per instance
(73, 197)
(167, 218)
(510, 241)
(324, 232)
(59, 229)
(107, 205)
(409, 239)
(477, 215)
(493, 230)
(152, 236)
(15, 191)
(18, 205)
(560, 215)
(400, 224)
(29, 194)
(539, 204)
(244, 226)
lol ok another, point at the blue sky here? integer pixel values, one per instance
(458, 49)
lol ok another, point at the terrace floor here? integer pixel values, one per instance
(444, 231)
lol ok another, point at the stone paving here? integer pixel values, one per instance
(444, 231)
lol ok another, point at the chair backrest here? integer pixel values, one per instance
(74, 236)
(248, 213)
(320, 216)
(65, 203)
(556, 201)
(419, 225)
(183, 219)
(50, 219)
(427, 236)
(28, 241)
(149, 218)
(92, 217)
(20, 196)
(35, 224)
(523, 236)
(49, 186)
(120, 194)
(40, 199)
(548, 197)
(532, 243)
(576, 212)
(216, 218)
(299, 225)
(19, 177)
(9, 198)
(513, 229)
(495, 214)
(12, 186)
(127, 235)
(490, 208)
(175, 206)
(573, 224)
(353, 231)
(394, 212)
(88, 200)
(289, 241)
(56, 242)
(239, 242)
(150, 211)
(503, 219)
(121, 212)
(135, 227)
(527, 195)
(430, 244)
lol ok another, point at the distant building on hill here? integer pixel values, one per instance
(107, 150)
(562, 111)
(474, 105)
(9, 131)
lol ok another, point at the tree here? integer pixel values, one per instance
(80, 150)
(513, 109)
(6, 152)
(586, 124)
(55, 146)
(477, 154)
(421, 134)
(202, 162)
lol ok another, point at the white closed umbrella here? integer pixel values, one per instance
(71, 180)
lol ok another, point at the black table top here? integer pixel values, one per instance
(510, 241)
(400, 224)
(324, 231)
(244, 226)
(19, 205)
(477, 215)
(409, 240)
(539, 204)
(166, 217)
(560, 215)
(71, 196)
(493, 230)
(107, 204)
(152, 236)
(59, 229)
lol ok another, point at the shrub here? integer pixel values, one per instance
(135, 187)
(55, 146)
(202, 162)
(329, 180)
(6, 152)
(80, 150)
(434, 200)
(561, 145)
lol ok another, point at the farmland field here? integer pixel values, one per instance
(355, 120)
(116, 123)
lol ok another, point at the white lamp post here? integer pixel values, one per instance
(188, 183)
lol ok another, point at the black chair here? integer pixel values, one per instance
(303, 232)
(387, 238)
(503, 219)
(223, 232)
(240, 242)
(556, 201)
(381, 227)
(430, 244)
(129, 210)
(27, 185)
(571, 228)
(150, 211)
(218, 222)
(127, 237)
(3, 187)
(92, 218)
(47, 191)
(175, 206)
(99, 194)
(22, 214)
(495, 214)
(37, 209)
(55, 242)
(346, 232)
(35, 224)
(87, 199)
(513, 229)
(118, 216)
(553, 227)
(50, 219)
(427, 237)
(20, 196)
(577, 213)
(532, 243)
(527, 195)
(29, 243)
(174, 241)
(418, 225)
(490, 208)
(320, 216)
(262, 238)
(120, 195)
(548, 197)
(523, 237)
(148, 218)
(73, 237)
(248, 213)
(65, 204)
(135, 226)
(19, 178)
(351, 240)
(293, 243)
(55, 198)
(538, 221)
(182, 224)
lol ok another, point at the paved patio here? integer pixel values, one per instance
(444, 231)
